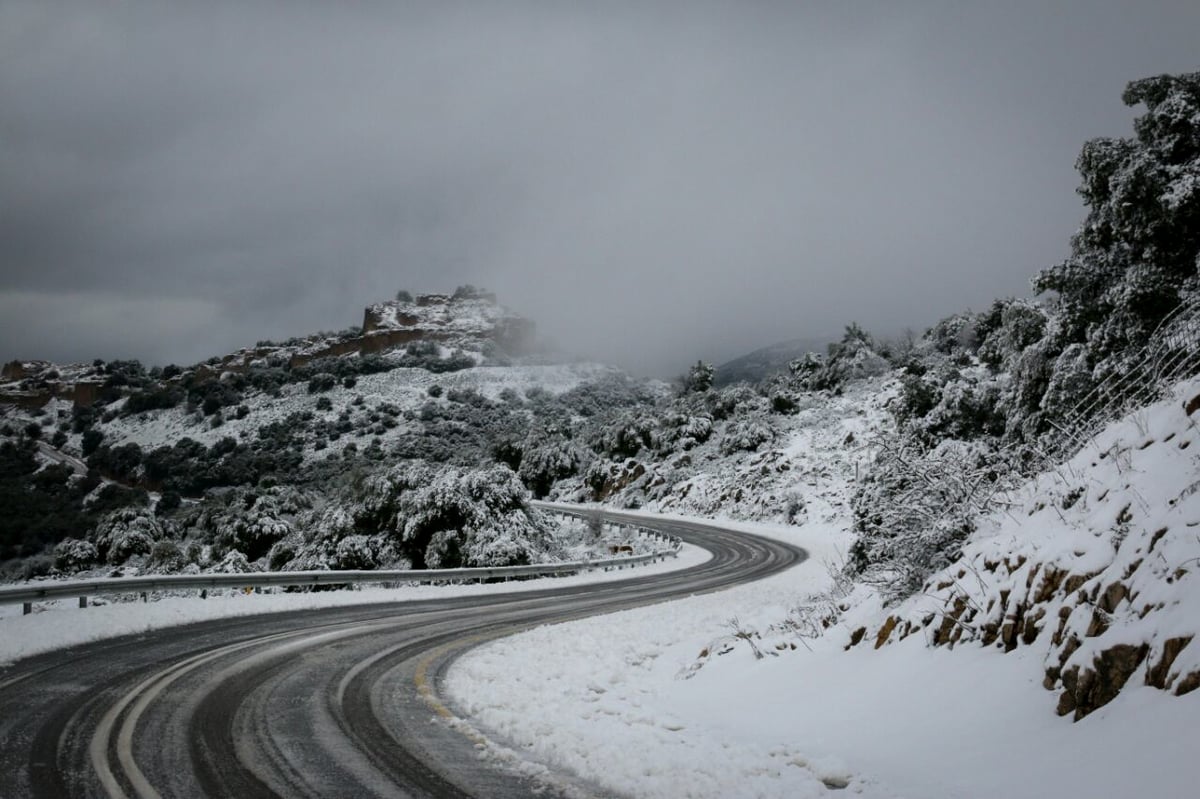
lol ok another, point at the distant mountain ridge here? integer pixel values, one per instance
(470, 320)
(756, 365)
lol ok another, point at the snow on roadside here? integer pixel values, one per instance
(615, 718)
(60, 623)
(617, 700)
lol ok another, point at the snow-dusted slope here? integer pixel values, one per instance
(405, 389)
(1095, 566)
(752, 692)
(809, 455)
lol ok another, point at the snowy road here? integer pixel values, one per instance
(341, 702)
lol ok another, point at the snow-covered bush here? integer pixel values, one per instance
(605, 478)
(853, 358)
(368, 552)
(126, 532)
(1070, 381)
(1007, 329)
(682, 430)
(252, 522)
(954, 334)
(166, 558)
(476, 517)
(746, 435)
(72, 555)
(965, 405)
(427, 516)
(234, 562)
(915, 507)
(603, 395)
(128, 543)
(257, 531)
(626, 436)
(546, 461)
(738, 398)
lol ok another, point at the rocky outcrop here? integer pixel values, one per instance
(1084, 690)
(374, 342)
(438, 317)
(29, 400)
(1077, 609)
(18, 370)
(1192, 405)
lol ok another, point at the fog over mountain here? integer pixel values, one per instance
(651, 186)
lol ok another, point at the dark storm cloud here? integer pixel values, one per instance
(652, 184)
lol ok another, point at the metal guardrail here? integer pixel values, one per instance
(29, 593)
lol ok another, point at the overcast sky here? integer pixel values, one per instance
(652, 183)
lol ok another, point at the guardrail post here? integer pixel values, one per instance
(83, 602)
(204, 593)
(144, 597)
(26, 608)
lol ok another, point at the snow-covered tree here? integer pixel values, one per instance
(1135, 255)
(126, 532)
(699, 378)
(444, 516)
(627, 435)
(367, 552)
(547, 459)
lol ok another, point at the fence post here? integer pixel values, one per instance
(26, 608)
(83, 602)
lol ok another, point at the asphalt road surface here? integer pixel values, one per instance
(317, 703)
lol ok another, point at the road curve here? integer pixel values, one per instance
(314, 703)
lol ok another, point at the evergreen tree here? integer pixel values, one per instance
(1135, 255)
(698, 379)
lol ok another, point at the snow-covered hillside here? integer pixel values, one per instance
(1092, 565)
(295, 452)
(805, 684)
(755, 463)
(403, 389)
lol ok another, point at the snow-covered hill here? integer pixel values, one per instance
(766, 361)
(275, 455)
(398, 392)
(755, 462)
(805, 683)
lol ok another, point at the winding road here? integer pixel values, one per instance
(328, 703)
